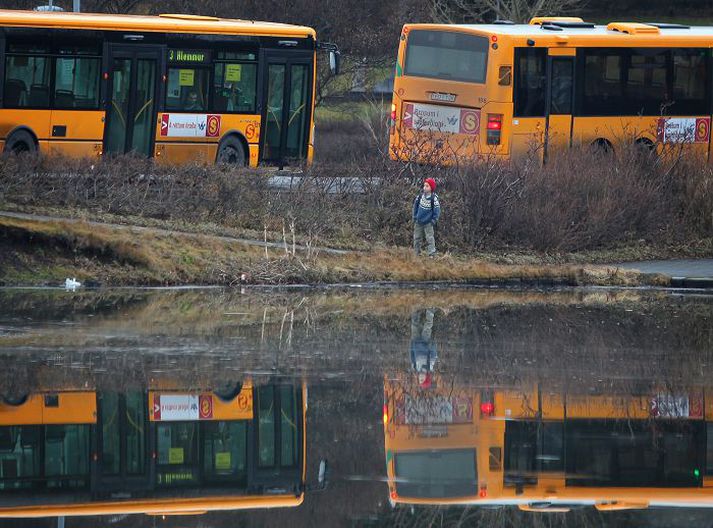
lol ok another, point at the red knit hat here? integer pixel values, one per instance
(431, 183)
(426, 383)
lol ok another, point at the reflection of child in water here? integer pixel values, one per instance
(423, 348)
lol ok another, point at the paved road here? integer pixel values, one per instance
(698, 268)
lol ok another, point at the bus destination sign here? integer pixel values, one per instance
(188, 56)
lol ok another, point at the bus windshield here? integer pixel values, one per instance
(447, 55)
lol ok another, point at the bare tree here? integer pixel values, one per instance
(457, 11)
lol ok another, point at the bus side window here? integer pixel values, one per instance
(235, 87)
(561, 89)
(27, 82)
(530, 82)
(187, 89)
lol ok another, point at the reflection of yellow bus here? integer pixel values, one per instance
(167, 451)
(546, 451)
(464, 92)
(177, 87)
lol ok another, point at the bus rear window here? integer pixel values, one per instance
(436, 474)
(447, 55)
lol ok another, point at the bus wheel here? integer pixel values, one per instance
(14, 400)
(231, 152)
(602, 146)
(645, 146)
(21, 142)
(228, 392)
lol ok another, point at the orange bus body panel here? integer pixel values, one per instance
(72, 408)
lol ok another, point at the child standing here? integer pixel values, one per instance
(426, 210)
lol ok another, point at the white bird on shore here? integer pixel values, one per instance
(71, 284)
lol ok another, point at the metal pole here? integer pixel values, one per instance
(76, 5)
(60, 520)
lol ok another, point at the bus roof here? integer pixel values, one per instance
(615, 33)
(165, 23)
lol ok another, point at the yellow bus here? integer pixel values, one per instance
(161, 451)
(547, 452)
(175, 87)
(501, 91)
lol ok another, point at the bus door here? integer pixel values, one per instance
(560, 97)
(131, 99)
(529, 109)
(278, 444)
(286, 108)
(122, 451)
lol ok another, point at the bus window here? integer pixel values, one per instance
(689, 82)
(436, 474)
(27, 82)
(530, 82)
(562, 83)
(225, 451)
(235, 87)
(266, 426)
(67, 456)
(77, 82)
(187, 89)
(135, 437)
(176, 447)
(447, 55)
(297, 119)
(111, 439)
(288, 426)
(19, 456)
(646, 82)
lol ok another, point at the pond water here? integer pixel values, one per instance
(432, 407)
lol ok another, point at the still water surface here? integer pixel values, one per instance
(433, 408)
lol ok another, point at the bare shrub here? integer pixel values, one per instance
(579, 200)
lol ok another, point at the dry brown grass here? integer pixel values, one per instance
(122, 255)
(579, 202)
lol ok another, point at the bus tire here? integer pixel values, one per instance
(602, 146)
(645, 145)
(228, 392)
(231, 151)
(14, 400)
(21, 142)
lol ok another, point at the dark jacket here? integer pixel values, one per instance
(426, 209)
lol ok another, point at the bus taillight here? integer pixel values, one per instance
(495, 126)
(392, 123)
(487, 407)
(386, 415)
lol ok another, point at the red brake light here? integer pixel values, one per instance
(494, 38)
(487, 408)
(494, 127)
(483, 492)
(495, 121)
(393, 112)
(386, 414)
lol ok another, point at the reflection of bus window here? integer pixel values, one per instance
(19, 456)
(225, 451)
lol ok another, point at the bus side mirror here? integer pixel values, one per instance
(334, 61)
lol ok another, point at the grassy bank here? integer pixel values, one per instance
(46, 252)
